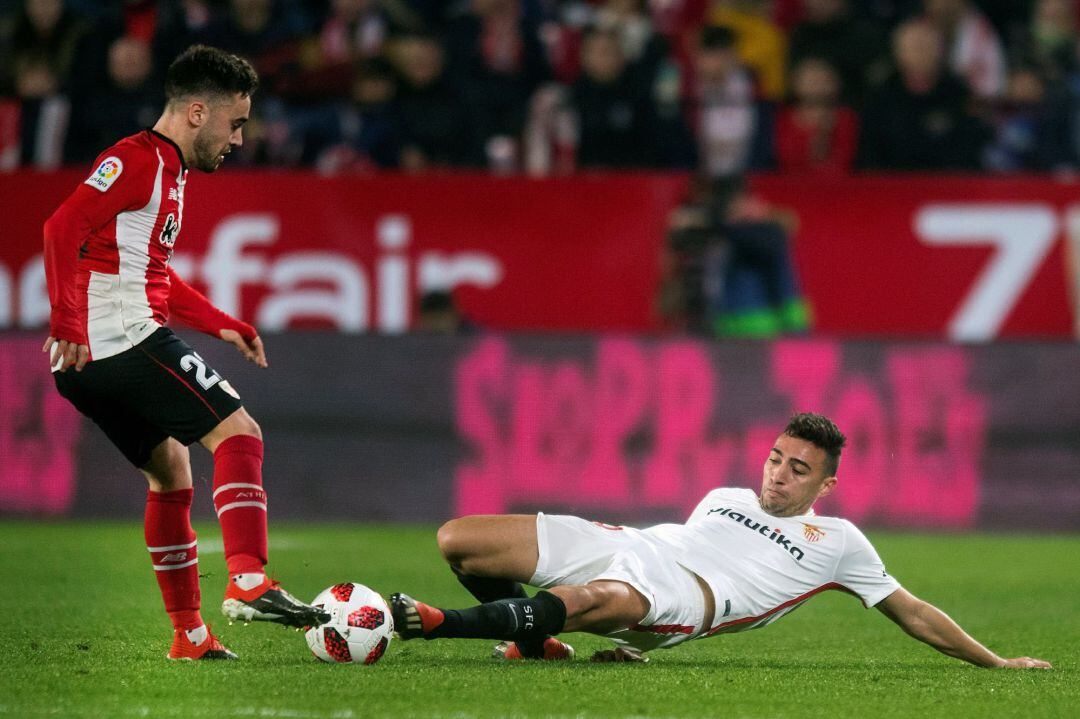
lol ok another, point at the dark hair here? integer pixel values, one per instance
(204, 70)
(437, 301)
(820, 431)
(716, 37)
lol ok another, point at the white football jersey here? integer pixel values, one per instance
(761, 567)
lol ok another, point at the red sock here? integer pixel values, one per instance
(175, 554)
(241, 502)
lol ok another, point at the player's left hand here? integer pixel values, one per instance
(618, 654)
(1026, 663)
(252, 351)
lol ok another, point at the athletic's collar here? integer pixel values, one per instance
(155, 133)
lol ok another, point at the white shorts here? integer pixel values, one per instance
(575, 551)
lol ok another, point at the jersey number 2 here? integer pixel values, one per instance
(205, 380)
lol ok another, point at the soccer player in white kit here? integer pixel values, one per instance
(741, 561)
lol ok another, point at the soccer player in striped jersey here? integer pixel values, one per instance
(107, 252)
(741, 561)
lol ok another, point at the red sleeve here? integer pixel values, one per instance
(65, 231)
(192, 308)
(119, 182)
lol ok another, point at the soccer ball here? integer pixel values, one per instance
(359, 629)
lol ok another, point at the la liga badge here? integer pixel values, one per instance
(105, 175)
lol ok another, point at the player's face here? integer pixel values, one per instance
(794, 476)
(222, 132)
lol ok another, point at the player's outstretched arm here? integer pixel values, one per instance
(192, 308)
(929, 624)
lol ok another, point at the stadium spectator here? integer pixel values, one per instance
(44, 35)
(40, 112)
(644, 51)
(360, 135)
(1030, 133)
(358, 29)
(974, 49)
(831, 31)
(919, 119)
(130, 101)
(434, 121)
(167, 27)
(1049, 43)
(614, 113)
(264, 31)
(761, 45)
(495, 55)
(815, 133)
(353, 30)
(726, 118)
(40, 41)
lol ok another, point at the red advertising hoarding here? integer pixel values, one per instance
(953, 258)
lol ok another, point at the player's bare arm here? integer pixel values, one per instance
(932, 626)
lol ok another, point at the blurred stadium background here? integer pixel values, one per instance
(585, 256)
(512, 254)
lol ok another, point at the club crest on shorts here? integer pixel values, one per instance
(105, 175)
(169, 231)
(811, 532)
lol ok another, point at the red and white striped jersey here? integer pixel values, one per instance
(107, 251)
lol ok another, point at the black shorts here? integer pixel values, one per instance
(159, 388)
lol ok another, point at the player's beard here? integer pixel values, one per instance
(207, 153)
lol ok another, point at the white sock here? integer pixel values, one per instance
(249, 580)
(197, 635)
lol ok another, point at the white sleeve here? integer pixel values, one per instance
(861, 570)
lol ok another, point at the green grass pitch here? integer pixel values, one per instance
(84, 635)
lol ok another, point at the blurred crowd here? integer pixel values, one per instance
(556, 86)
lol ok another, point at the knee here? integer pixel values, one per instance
(451, 544)
(169, 473)
(239, 423)
(247, 425)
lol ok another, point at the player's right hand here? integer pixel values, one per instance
(1026, 663)
(65, 354)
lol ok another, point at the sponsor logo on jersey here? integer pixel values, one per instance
(105, 175)
(169, 231)
(774, 535)
(811, 532)
(172, 194)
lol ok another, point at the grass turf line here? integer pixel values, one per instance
(84, 635)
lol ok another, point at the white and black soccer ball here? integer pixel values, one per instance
(359, 629)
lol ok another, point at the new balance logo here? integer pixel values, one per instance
(172, 194)
(174, 557)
